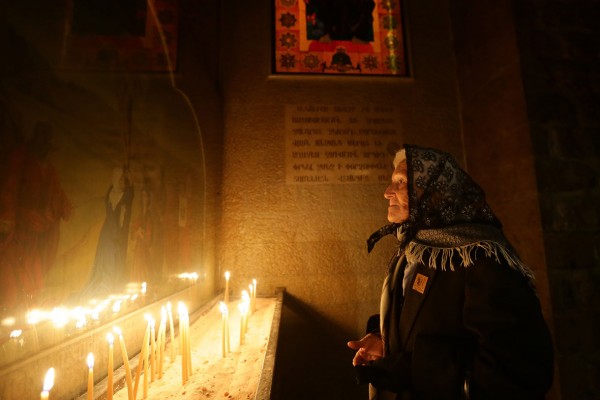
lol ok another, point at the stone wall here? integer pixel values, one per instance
(497, 139)
(560, 46)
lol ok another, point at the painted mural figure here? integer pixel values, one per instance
(109, 269)
(148, 228)
(345, 20)
(32, 205)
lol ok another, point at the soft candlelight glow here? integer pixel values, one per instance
(35, 316)
(116, 307)
(90, 383)
(109, 392)
(192, 276)
(226, 296)
(144, 288)
(16, 333)
(48, 384)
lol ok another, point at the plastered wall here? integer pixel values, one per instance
(311, 239)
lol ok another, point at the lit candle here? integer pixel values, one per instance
(188, 346)
(226, 297)
(172, 331)
(254, 298)
(109, 389)
(243, 306)
(48, 383)
(90, 386)
(224, 317)
(141, 359)
(183, 343)
(146, 367)
(251, 300)
(125, 363)
(246, 300)
(152, 351)
(161, 340)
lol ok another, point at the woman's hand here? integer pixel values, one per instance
(369, 348)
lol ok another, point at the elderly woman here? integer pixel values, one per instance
(459, 315)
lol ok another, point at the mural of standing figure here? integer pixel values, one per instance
(32, 205)
(109, 270)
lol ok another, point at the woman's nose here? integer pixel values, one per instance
(389, 192)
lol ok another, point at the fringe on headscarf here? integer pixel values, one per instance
(443, 258)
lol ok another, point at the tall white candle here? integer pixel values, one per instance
(128, 379)
(226, 297)
(152, 351)
(48, 384)
(170, 313)
(110, 387)
(183, 343)
(90, 383)
(224, 317)
(161, 340)
(142, 357)
(254, 299)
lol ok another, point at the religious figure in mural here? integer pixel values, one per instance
(147, 233)
(347, 20)
(109, 268)
(32, 205)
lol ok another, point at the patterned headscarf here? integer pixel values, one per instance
(440, 194)
(448, 214)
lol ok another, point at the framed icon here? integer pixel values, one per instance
(352, 37)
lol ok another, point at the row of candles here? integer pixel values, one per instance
(84, 316)
(152, 352)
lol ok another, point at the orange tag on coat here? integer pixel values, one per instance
(420, 283)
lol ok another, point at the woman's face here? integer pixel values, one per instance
(397, 194)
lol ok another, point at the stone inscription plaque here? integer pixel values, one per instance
(339, 144)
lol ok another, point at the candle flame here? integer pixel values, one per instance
(188, 275)
(110, 338)
(223, 308)
(49, 380)
(16, 333)
(144, 287)
(35, 316)
(90, 360)
(59, 317)
(227, 275)
(163, 314)
(169, 306)
(254, 282)
(245, 296)
(243, 306)
(117, 330)
(116, 307)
